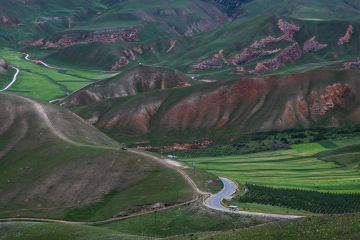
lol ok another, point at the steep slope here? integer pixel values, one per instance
(221, 110)
(53, 165)
(136, 80)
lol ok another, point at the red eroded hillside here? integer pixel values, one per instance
(326, 98)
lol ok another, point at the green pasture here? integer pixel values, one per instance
(295, 168)
(44, 83)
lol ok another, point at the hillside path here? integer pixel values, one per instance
(13, 80)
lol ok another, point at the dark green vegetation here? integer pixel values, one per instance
(311, 201)
(272, 141)
(182, 221)
(342, 227)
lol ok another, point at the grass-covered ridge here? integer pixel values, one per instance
(53, 164)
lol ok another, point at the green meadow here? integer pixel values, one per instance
(295, 168)
(45, 83)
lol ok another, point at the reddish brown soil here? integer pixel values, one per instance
(248, 105)
(177, 146)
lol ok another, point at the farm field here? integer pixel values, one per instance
(295, 168)
(44, 83)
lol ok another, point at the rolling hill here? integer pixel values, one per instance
(223, 110)
(137, 80)
(54, 165)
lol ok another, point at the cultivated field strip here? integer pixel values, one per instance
(293, 168)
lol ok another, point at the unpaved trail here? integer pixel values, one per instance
(13, 80)
(43, 115)
(109, 220)
(172, 166)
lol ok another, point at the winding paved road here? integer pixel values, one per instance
(13, 80)
(229, 189)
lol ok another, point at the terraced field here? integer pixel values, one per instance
(46, 83)
(296, 168)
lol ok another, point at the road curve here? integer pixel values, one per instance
(13, 80)
(215, 202)
(27, 57)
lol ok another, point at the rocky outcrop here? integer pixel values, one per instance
(347, 37)
(221, 56)
(352, 64)
(212, 63)
(288, 55)
(127, 35)
(257, 51)
(131, 82)
(312, 45)
(250, 54)
(288, 29)
(333, 97)
(5, 20)
(265, 41)
(122, 62)
(129, 54)
(177, 146)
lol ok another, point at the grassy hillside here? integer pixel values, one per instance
(343, 227)
(54, 165)
(45, 231)
(183, 222)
